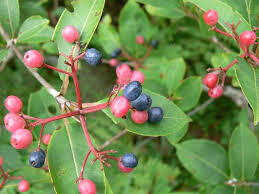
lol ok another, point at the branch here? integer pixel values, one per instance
(216, 41)
(113, 139)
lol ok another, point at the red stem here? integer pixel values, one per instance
(222, 32)
(41, 132)
(81, 177)
(252, 56)
(56, 69)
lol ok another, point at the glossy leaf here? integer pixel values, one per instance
(84, 18)
(203, 158)
(243, 153)
(10, 16)
(187, 95)
(248, 78)
(174, 119)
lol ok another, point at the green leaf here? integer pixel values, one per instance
(174, 119)
(31, 27)
(133, 23)
(175, 137)
(243, 153)
(50, 47)
(203, 158)
(84, 18)
(42, 36)
(224, 189)
(10, 16)
(248, 78)
(226, 13)
(3, 54)
(187, 95)
(66, 153)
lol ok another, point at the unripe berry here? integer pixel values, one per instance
(216, 92)
(132, 91)
(1, 161)
(120, 106)
(124, 72)
(138, 76)
(139, 116)
(113, 62)
(155, 114)
(13, 104)
(211, 80)
(248, 38)
(21, 138)
(124, 169)
(46, 138)
(13, 122)
(33, 59)
(211, 17)
(23, 186)
(87, 186)
(129, 160)
(37, 158)
(140, 40)
(70, 34)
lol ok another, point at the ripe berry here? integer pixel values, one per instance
(211, 80)
(1, 161)
(37, 158)
(21, 138)
(124, 72)
(216, 92)
(46, 138)
(87, 186)
(155, 114)
(139, 116)
(113, 62)
(140, 40)
(211, 17)
(93, 57)
(13, 122)
(124, 169)
(116, 53)
(13, 104)
(23, 186)
(143, 102)
(132, 90)
(70, 34)
(120, 106)
(154, 43)
(33, 59)
(129, 160)
(138, 76)
(248, 38)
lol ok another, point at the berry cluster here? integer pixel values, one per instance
(245, 40)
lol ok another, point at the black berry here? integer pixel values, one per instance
(37, 158)
(129, 160)
(154, 43)
(143, 102)
(93, 57)
(155, 114)
(116, 53)
(133, 90)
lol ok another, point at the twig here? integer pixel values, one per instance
(113, 139)
(216, 41)
(202, 106)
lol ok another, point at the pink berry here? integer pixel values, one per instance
(46, 138)
(216, 92)
(120, 106)
(211, 17)
(113, 62)
(13, 104)
(211, 80)
(87, 186)
(124, 72)
(23, 186)
(33, 59)
(140, 40)
(138, 76)
(21, 138)
(248, 38)
(124, 169)
(1, 161)
(13, 122)
(139, 116)
(70, 34)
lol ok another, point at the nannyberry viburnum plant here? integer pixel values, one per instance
(141, 72)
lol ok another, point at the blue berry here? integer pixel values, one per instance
(143, 102)
(155, 114)
(132, 90)
(93, 57)
(37, 158)
(154, 43)
(116, 53)
(129, 160)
